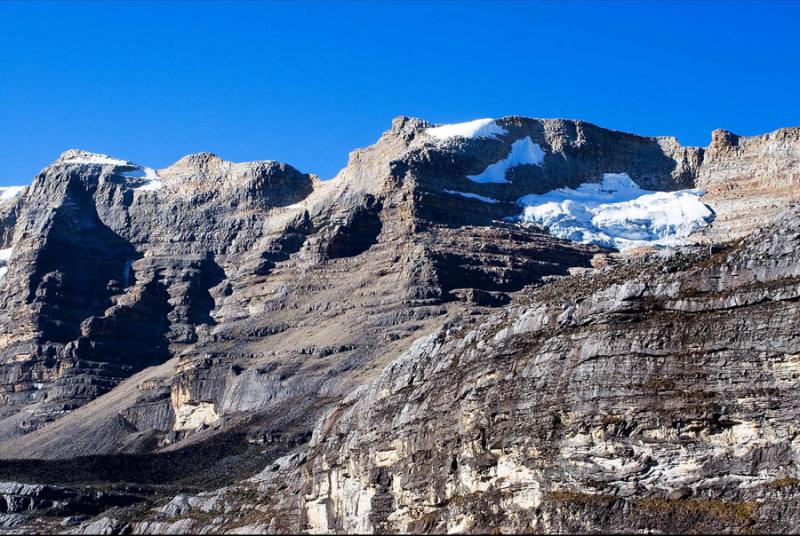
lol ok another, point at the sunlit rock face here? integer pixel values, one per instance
(612, 399)
(515, 323)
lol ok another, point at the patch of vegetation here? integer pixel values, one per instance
(584, 500)
(608, 420)
(786, 482)
(244, 493)
(724, 511)
(659, 384)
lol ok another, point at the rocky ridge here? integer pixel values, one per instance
(230, 313)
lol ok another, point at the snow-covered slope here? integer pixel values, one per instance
(480, 128)
(10, 192)
(617, 213)
(148, 177)
(523, 151)
(78, 156)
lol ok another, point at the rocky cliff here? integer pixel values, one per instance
(396, 347)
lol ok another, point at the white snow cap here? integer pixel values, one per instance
(480, 128)
(473, 196)
(144, 178)
(77, 156)
(523, 151)
(10, 192)
(617, 213)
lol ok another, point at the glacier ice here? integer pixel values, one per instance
(617, 213)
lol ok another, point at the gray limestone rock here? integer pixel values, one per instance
(271, 352)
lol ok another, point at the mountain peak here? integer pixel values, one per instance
(79, 156)
(166, 313)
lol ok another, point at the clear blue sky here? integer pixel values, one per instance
(306, 83)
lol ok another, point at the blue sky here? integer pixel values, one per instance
(305, 83)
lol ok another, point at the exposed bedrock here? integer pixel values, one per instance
(658, 396)
(458, 369)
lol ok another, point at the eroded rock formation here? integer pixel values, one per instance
(392, 350)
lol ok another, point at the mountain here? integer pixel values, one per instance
(441, 338)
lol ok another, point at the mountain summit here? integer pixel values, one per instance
(532, 324)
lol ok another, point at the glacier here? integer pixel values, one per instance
(617, 213)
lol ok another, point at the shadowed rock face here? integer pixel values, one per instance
(215, 314)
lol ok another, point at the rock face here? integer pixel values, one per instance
(749, 180)
(396, 348)
(653, 389)
(21, 502)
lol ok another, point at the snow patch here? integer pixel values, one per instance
(480, 128)
(473, 196)
(5, 256)
(10, 192)
(84, 157)
(523, 151)
(148, 179)
(617, 213)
